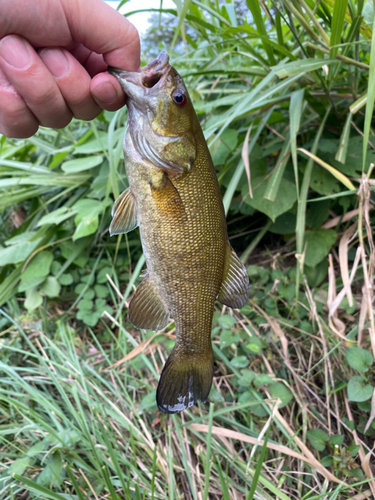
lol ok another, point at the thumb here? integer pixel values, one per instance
(105, 31)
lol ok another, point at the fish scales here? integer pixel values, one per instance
(175, 199)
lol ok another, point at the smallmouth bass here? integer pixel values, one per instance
(174, 198)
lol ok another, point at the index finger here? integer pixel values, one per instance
(104, 30)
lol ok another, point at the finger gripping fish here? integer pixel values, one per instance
(174, 198)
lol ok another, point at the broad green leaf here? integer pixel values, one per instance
(215, 395)
(19, 466)
(263, 379)
(318, 245)
(24, 237)
(285, 200)
(315, 275)
(39, 489)
(301, 66)
(17, 253)
(51, 287)
(87, 208)
(255, 407)
(322, 182)
(51, 475)
(89, 294)
(223, 147)
(148, 402)
(89, 317)
(359, 359)
(102, 274)
(66, 279)
(39, 266)
(227, 321)
(240, 362)
(227, 338)
(281, 391)
(336, 440)
(317, 214)
(36, 449)
(247, 376)
(326, 461)
(100, 304)
(358, 389)
(80, 164)
(88, 225)
(287, 291)
(31, 282)
(33, 299)
(85, 304)
(254, 345)
(318, 438)
(101, 291)
(284, 224)
(57, 216)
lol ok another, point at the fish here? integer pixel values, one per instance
(174, 198)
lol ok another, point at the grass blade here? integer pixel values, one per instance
(338, 18)
(344, 140)
(336, 173)
(370, 102)
(258, 467)
(208, 452)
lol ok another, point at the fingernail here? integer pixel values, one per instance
(105, 93)
(56, 61)
(15, 51)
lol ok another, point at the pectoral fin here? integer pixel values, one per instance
(234, 290)
(124, 214)
(146, 309)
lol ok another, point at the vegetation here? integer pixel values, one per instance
(285, 91)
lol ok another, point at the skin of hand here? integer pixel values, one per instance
(53, 60)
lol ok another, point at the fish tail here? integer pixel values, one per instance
(185, 379)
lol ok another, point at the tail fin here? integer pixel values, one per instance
(185, 379)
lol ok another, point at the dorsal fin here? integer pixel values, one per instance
(235, 287)
(124, 213)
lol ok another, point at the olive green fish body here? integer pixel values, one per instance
(175, 199)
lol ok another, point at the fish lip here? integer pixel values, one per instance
(148, 77)
(158, 64)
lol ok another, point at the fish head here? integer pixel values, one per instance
(162, 120)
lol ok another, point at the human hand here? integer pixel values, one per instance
(53, 60)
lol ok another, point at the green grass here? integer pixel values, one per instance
(284, 91)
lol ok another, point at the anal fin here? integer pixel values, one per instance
(146, 309)
(235, 287)
(124, 214)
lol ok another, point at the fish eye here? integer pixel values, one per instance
(179, 98)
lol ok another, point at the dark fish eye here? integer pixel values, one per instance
(179, 98)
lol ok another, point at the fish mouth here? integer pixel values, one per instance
(149, 76)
